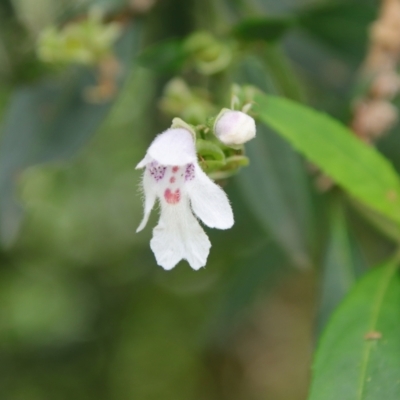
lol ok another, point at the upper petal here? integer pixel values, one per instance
(173, 147)
(209, 202)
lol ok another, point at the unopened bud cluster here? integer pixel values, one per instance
(84, 42)
(208, 54)
(191, 104)
(219, 139)
(374, 114)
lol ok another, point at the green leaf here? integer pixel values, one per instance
(358, 357)
(357, 167)
(275, 187)
(268, 29)
(49, 121)
(341, 264)
(341, 25)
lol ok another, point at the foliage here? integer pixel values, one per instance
(86, 312)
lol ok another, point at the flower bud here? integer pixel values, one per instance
(234, 127)
(85, 42)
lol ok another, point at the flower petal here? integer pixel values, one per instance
(178, 236)
(209, 202)
(149, 190)
(146, 160)
(173, 147)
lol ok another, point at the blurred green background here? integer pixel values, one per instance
(85, 312)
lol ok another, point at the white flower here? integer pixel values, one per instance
(173, 176)
(234, 128)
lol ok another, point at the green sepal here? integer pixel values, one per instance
(180, 123)
(211, 165)
(237, 161)
(208, 149)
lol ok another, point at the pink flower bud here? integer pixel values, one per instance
(234, 127)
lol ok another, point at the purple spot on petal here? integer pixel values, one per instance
(189, 172)
(156, 170)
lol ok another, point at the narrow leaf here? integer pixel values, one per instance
(275, 187)
(358, 168)
(341, 264)
(358, 357)
(275, 184)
